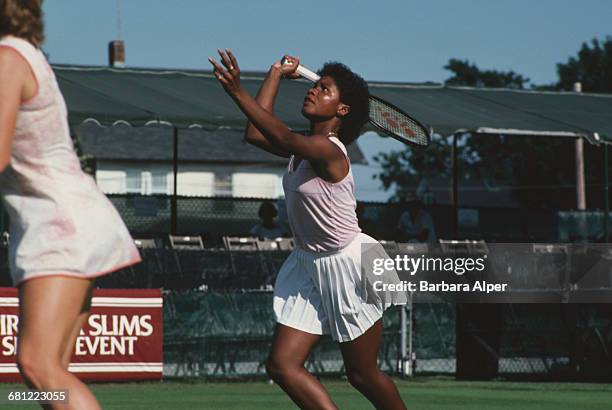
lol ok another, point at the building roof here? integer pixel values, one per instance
(155, 143)
(184, 97)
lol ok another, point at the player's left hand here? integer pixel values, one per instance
(228, 74)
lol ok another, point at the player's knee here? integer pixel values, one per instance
(29, 367)
(276, 369)
(36, 369)
(358, 379)
(272, 368)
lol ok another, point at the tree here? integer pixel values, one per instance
(468, 74)
(404, 169)
(592, 67)
(540, 171)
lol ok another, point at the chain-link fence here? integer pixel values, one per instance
(569, 342)
(228, 334)
(218, 216)
(218, 322)
(214, 217)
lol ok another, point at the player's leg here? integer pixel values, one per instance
(68, 348)
(49, 307)
(285, 365)
(361, 363)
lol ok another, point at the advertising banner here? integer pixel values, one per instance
(122, 339)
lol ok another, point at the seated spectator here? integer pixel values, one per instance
(269, 228)
(415, 224)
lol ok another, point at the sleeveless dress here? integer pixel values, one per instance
(60, 222)
(321, 288)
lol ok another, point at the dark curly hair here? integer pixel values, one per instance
(23, 19)
(354, 93)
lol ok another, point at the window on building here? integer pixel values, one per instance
(159, 182)
(133, 182)
(223, 184)
(146, 183)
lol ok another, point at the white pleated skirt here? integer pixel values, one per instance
(325, 292)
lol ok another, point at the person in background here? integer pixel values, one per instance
(415, 224)
(269, 228)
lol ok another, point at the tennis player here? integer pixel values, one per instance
(317, 290)
(64, 232)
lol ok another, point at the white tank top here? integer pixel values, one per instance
(321, 214)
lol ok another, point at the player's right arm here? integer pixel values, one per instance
(15, 87)
(265, 98)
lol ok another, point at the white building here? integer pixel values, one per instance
(211, 163)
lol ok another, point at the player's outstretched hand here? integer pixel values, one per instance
(228, 74)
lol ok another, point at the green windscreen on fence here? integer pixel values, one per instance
(228, 334)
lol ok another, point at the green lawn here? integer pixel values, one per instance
(419, 394)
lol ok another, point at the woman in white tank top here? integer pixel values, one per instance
(63, 232)
(319, 287)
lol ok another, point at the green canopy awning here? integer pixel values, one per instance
(184, 98)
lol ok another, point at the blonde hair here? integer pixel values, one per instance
(23, 19)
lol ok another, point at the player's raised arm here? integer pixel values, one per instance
(265, 98)
(315, 148)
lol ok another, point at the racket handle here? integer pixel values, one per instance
(304, 72)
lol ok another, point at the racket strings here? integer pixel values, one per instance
(391, 120)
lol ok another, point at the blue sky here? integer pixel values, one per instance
(406, 41)
(385, 40)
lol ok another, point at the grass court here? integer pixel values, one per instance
(419, 394)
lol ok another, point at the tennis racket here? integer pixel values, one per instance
(386, 117)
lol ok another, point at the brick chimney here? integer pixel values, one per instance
(116, 53)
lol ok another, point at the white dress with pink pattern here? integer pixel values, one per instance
(61, 223)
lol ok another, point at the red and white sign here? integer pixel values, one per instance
(122, 339)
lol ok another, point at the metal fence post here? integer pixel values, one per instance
(411, 352)
(174, 200)
(406, 353)
(2, 221)
(402, 363)
(606, 195)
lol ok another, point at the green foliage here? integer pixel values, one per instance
(467, 74)
(87, 161)
(535, 167)
(592, 67)
(540, 171)
(403, 169)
